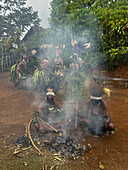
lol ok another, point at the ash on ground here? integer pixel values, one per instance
(67, 147)
(56, 144)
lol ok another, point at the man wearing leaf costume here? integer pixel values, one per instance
(21, 69)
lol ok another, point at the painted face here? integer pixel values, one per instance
(96, 102)
(50, 98)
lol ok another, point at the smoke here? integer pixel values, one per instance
(70, 84)
(71, 80)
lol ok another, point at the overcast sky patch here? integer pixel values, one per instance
(42, 6)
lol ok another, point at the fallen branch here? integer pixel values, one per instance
(19, 151)
(31, 138)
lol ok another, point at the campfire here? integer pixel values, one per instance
(58, 145)
(68, 147)
(53, 142)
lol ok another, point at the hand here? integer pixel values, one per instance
(41, 129)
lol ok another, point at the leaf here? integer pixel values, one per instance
(58, 159)
(101, 166)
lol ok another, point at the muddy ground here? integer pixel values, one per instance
(16, 108)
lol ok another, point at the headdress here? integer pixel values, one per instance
(33, 52)
(50, 92)
(97, 89)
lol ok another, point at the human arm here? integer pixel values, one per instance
(61, 62)
(40, 123)
(106, 113)
(22, 66)
(28, 70)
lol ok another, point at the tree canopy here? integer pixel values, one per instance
(104, 23)
(15, 17)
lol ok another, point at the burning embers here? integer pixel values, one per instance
(68, 147)
(59, 145)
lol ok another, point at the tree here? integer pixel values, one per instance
(104, 23)
(15, 15)
(78, 21)
(113, 17)
(75, 14)
(78, 16)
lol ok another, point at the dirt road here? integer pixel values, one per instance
(16, 108)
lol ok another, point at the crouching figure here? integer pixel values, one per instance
(49, 118)
(96, 116)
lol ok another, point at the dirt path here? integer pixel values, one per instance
(16, 108)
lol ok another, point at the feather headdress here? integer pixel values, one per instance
(97, 89)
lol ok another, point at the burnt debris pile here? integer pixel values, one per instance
(68, 147)
(57, 145)
(22, 140)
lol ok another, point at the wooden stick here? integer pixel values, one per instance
(49, 125)
(31, 138)
(16, 152)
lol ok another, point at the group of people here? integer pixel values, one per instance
(49, 71)
(95, 118)
(51, 116)
(21, 69)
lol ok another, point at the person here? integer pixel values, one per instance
(39, 79)
(45, 64)
(49, 111)
(21, 69)
(57, 72)
(42, 71)
(58, 63)
(75, 61)
(45, 59)
(96, 116)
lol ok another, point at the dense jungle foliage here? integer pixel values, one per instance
(103, 23)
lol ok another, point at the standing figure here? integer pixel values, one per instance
(45, 59)
(21, 69)
(75, 61)
(58, 63)
(41, 74)
(57, 72)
